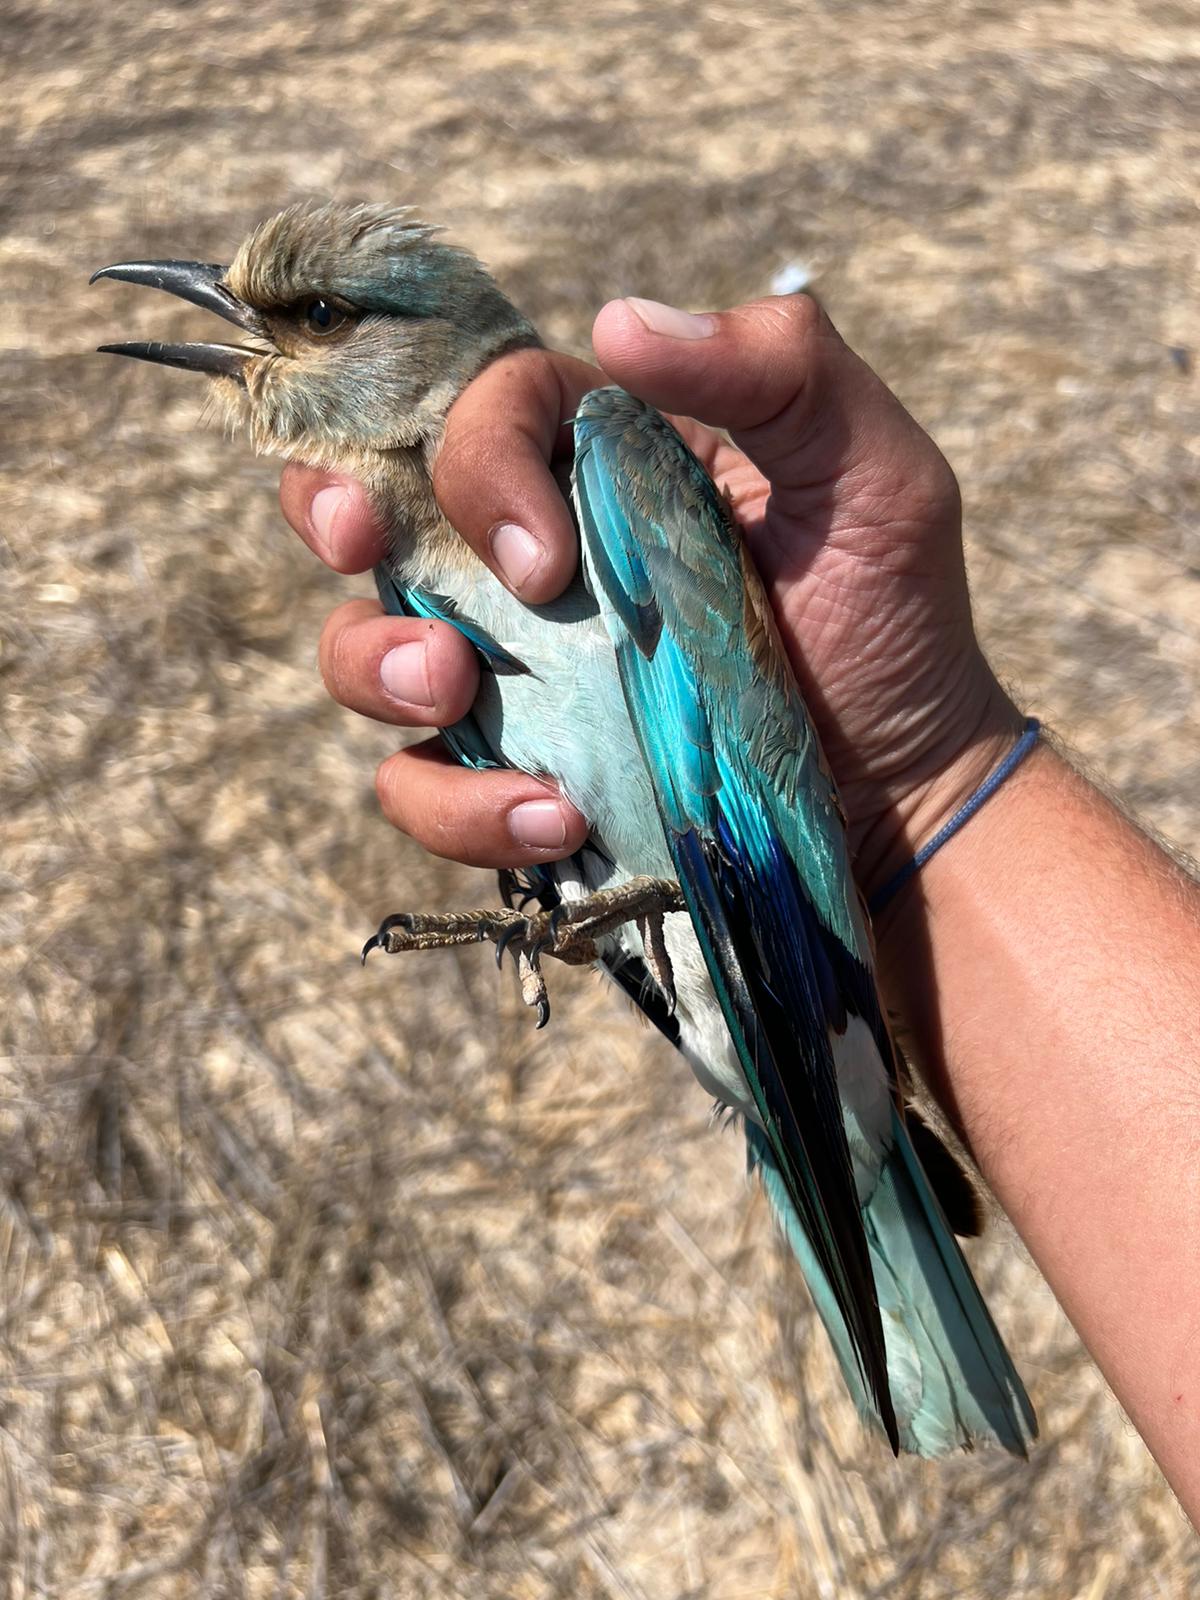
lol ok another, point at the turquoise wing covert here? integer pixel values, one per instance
(749, 814)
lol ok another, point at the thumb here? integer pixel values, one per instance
(774, 373)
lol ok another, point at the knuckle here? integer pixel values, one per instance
(422, 805)
(387, 792)
(807, 316)
(523, 380)
(513, 401)
(332, 653)
(938, 486)
(537, 383)
(453, 672)
(781, 404)
(441, 828)
(458, 446)
(463, 472)
(795, 318)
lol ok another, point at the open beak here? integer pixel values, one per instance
(202, 284)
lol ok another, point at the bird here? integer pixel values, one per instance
(716, 885)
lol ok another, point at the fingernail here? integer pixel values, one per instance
(404, 672)
(670, 320)
(538, 823)
(322, 511)
(515, 551)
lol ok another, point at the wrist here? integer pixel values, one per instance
(953, 769)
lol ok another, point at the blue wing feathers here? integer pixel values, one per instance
(749, 816)
(624, 575)
(736, 870)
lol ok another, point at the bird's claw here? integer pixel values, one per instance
(506, 935)
(569, 931)
(378, 940)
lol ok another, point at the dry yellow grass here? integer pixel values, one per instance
(321, 1281)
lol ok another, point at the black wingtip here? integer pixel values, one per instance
(892, 1431)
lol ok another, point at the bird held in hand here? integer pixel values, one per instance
(715, 886)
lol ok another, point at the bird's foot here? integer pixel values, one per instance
(568, 932)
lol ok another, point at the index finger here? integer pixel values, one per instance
(492, 476)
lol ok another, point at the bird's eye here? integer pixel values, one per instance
(322, 317)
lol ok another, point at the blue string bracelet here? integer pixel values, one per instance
(965, 812)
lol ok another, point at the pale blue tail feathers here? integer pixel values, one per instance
(952, 1382)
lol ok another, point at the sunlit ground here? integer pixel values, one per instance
(327, 1281)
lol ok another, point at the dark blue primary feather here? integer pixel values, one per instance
(754, 838)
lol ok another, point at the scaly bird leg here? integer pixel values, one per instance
(569, 932)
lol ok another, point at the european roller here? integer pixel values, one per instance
(716, 886)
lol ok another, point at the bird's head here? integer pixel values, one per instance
(363, 328)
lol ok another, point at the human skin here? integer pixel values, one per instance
(1044, 966)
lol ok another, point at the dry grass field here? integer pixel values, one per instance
(322, 1281)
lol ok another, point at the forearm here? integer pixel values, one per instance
(1046, 964)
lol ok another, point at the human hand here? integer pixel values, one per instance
(852, 516)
